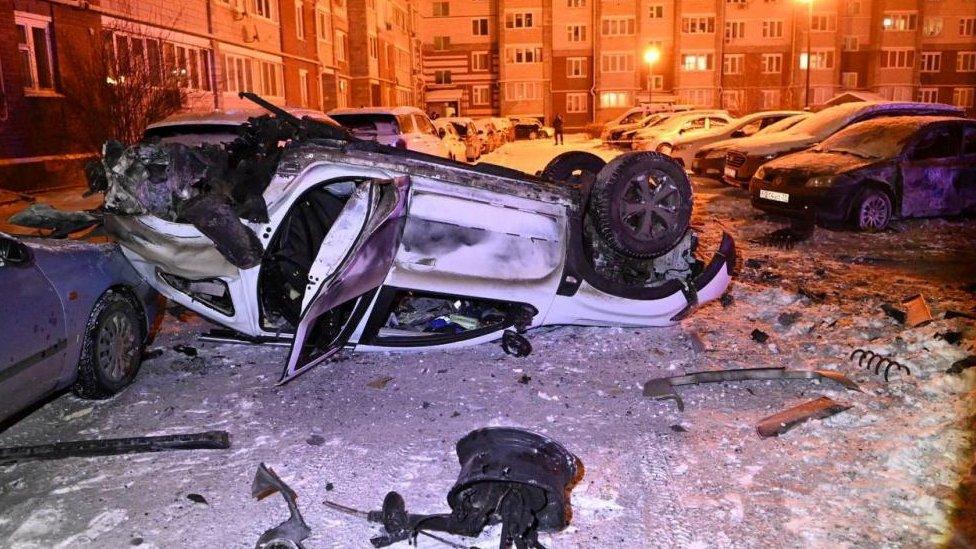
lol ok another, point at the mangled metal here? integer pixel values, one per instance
(781, 422)
(663, 388)
(211, 440)
(291, 533)
(42, 216)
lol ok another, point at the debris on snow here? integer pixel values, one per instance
(781, 422)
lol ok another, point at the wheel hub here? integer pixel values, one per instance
(116, 345)
(650, 206)
(874, 212)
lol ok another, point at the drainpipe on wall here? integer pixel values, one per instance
(217, 99)
(593, 69)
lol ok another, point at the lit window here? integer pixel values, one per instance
(693, 62)
(610, 99)
(898, 21)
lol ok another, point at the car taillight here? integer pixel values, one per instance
(400, 144)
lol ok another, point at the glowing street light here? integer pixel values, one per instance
(651, 56)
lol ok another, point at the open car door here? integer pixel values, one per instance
(353, 260)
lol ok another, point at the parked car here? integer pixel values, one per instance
(491, 136)
(532, 128)
(874, 171)
(710, 159)
(75, 314)
(683, 147)
(215, 127)
(636, 114)
(659, 136)
(401, 127)
(457, 149)
(506, 126)
(469, 132)
(384, 249)
(614, 134)
(743, 159)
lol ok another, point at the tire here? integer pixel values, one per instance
(641, 204)
(574, 168)
(112, 349)
(872, 211)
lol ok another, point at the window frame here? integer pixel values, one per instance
(30, 22)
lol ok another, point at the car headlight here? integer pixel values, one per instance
(820, 181)
(760, 173)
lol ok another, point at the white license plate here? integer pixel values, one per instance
(773, 195)
(730, 172)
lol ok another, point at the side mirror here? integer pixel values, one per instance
(13, 252)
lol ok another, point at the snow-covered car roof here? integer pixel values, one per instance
(231, 117)
(395, 111)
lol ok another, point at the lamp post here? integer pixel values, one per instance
(806, 92)
(651, 56)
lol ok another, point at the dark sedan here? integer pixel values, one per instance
(74, 315)
(874, 171)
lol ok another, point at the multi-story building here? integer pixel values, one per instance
(318, 54)
(589, 60)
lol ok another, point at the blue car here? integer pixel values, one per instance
(73, 314)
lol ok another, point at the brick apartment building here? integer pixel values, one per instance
(318, 54)
(585, 58)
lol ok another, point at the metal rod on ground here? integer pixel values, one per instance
(211, 440)
(365, 515)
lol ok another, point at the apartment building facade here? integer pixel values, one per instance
(318, 54)
(588, 59)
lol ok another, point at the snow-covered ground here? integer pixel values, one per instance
(884, 473)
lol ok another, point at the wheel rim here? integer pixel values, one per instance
(874, 212)
(649, 205)
(116, 346)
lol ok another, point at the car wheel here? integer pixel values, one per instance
(574, 168)
(641, 204)
(873, 211)
(112, 349)
(533, 135)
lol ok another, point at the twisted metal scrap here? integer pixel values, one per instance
(877, 360)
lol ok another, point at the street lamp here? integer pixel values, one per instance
(806, 93)
(651, 56)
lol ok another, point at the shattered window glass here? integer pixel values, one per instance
(417, 315)
(935, 144)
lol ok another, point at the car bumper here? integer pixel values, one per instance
(741, 175)
(799, 201)
(708, 166)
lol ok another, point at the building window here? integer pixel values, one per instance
(772, 29)
(931, 61)
(374, 47)
(575, 67)
(657, 11)
(441, 43)
(932, 26)
(848, 80)
(341, 45)
(238, 75)
(190, 66)
(822, 94)
(819, 60)
(734, 100)
(693, 62)
(966, 61)
(897, 58)
(271, 82)
(519, 20)
(322, 24)
(442, 9)
(303, 86)
(480, 95)
(967, 26)
(342, 99)
(34, 47)
(772, 63)
(523, 91)
(853, 7)
(899, 21)
(266, 9)
(928, 95)
(700, 97)
(733, 63)
(442, 77)
(614, 99)
(299, 20)
(619, 26)
(575, 3)
(480, 61)
(704, 24)
(734, 30)
(576, 102)
(770, 99)
(479, 27)
(657, 82)
(617, 62)
(851, 43)
(576, 33)
(823, 23)
(962, 97)
(524, 55)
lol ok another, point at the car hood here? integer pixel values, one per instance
(812, 164)
(760, 145)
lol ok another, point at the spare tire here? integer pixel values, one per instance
(641, 204)
(574, 168)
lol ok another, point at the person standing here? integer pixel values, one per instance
(557, 125)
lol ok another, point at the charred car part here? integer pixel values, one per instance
(61, 223)
(877, 361)
(291, 533)
(781, 422)
(663, 388)
(211, 440)
(355, 228)
(509, 476)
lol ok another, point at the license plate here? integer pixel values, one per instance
(773, 195)
(730, 172)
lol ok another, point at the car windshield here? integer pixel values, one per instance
(193, 134)
(632, 117)
(782, 125)
(368, 126)
(880, 138)
(827, 121)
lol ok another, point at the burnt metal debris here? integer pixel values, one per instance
(962, 364)
(877, 360)
(663, 388)
(291, 533)
(61, 223)
(781, 422)
(515, 344)
(211, 440)
(509, 476)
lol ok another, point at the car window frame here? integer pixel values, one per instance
(909, 150)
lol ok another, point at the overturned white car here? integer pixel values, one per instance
(378, 248)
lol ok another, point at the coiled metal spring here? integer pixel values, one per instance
(877, 361)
